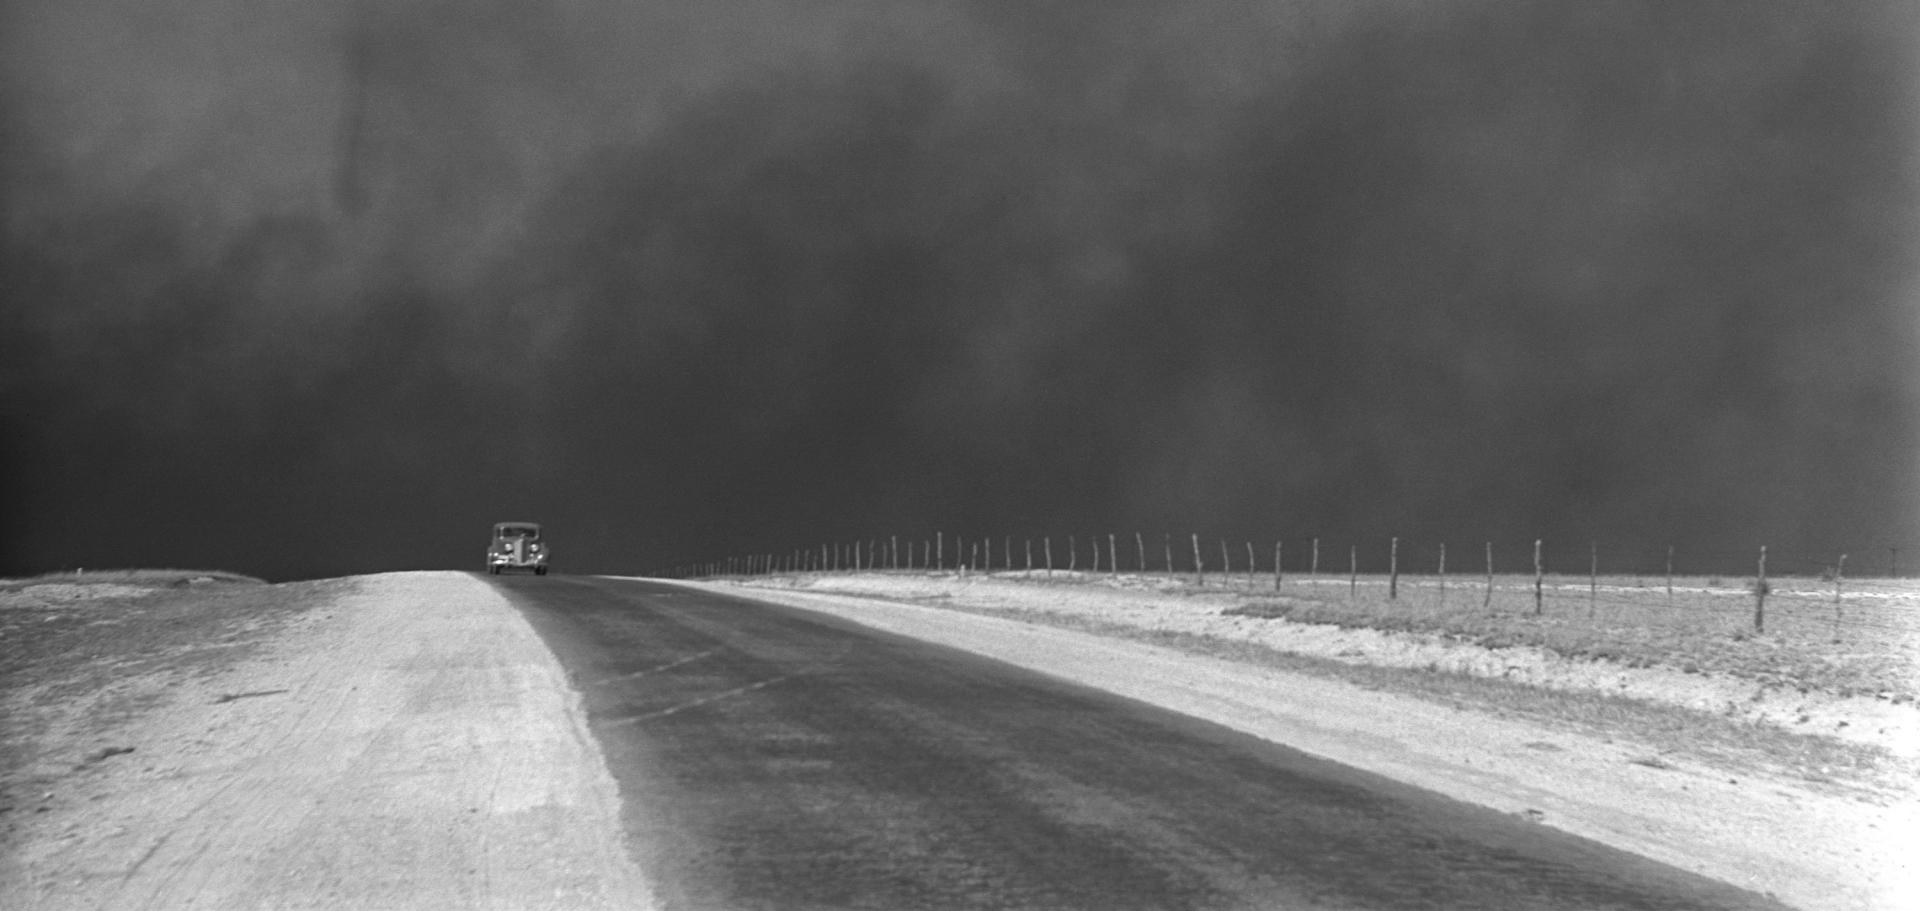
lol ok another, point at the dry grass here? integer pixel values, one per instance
(1869, 644)
(145, 577)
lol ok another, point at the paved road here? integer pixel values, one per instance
(773, 758)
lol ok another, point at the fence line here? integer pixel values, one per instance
(1392, 551)
(1793, 583)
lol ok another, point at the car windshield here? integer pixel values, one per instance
(519, 531)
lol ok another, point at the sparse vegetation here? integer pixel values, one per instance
(81, 652)
(145, 577)
(1864, 646)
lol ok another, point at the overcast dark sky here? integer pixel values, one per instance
(307, 289)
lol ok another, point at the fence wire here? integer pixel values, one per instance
(1834, 590)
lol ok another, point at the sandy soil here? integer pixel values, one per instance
(1810, 849)
(395, 741)
(406, 741)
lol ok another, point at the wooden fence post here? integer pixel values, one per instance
(1073, 553)
(1029, 555)
(1487, 600)
(1048, 542)
(1113, 556)
(1353, 571)
(1166, 540)
(1276, 563)
(1199, 571)
(1839, 570)
(940, 550)
(1094, 540)
(1443, 573)
(1226, 564)
(1669, 574)
(1393, 570)
(1760, 594)
(1140, 544)
(1539, 580)
(1250, 566)
(1313, 569)
(1593, 577)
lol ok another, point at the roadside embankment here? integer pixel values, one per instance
(392, 741)
(1813, 845)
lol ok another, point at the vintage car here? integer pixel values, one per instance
(517, 545)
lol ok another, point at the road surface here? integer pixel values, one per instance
(769, 757)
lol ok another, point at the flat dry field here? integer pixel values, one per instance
(1860, 638)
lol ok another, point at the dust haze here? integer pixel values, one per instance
(307, 289)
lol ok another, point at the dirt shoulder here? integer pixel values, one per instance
(1809, 845)
(393, 741)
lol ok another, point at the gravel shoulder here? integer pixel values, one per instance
(393, 741)
(1811, 847)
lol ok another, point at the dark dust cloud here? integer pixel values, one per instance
(306, 289)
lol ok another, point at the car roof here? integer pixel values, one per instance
(499, 525)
